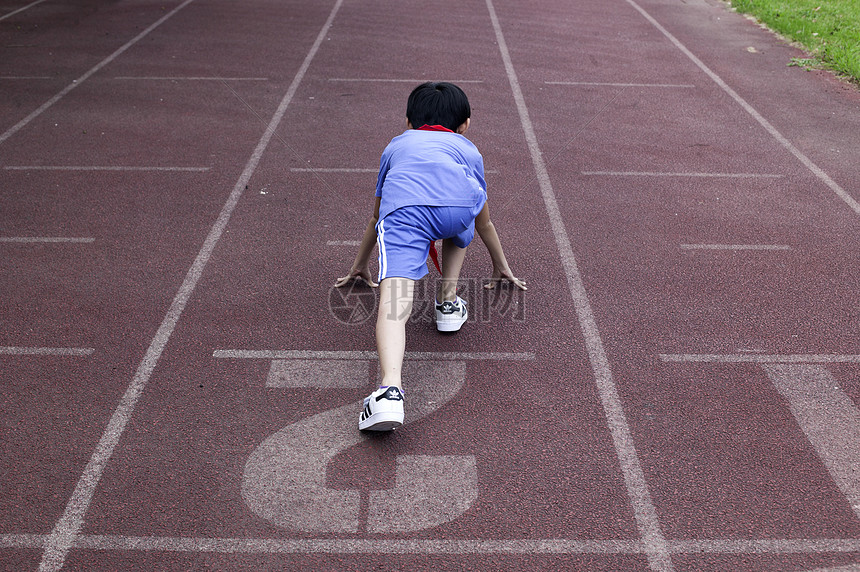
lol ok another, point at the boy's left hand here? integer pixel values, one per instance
(363, 274)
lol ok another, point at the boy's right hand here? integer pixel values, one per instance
(506, 274)
(362, 274)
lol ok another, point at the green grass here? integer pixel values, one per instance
(828, 29)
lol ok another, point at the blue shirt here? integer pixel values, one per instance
(431, 168)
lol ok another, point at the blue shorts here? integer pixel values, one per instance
(404, 237)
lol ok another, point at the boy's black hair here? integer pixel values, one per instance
(438, 103)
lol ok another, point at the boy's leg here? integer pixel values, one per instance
(395, 307)
(452, 262)
(451, 311)
(383, 409)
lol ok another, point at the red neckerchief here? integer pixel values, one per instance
(434, 128)
(434, 256)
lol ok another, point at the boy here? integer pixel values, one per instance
(430, 186)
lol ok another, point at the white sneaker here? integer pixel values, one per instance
(383, 410)
(450, 316)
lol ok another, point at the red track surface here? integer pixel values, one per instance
(677, 390)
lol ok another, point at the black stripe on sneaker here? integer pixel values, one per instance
(391, 394)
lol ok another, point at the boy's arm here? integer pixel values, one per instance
(487, 231)
(365, 249)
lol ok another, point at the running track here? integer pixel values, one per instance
(181, 184)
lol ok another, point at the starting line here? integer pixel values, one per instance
(464, 546)
(29, 351)
(368, 355)
(760, 358)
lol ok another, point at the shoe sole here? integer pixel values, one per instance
(452, 326)
(382, 421)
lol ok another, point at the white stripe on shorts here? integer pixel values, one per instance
(380, 240)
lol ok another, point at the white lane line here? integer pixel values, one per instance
(332, 170)
(368, 355)
(22, 540)
(634, 478)
(333, 546)
(767, 546)
(187, 78)
(680, 174)
(101, 168)
(400, 80)
(75, 83)
(786, 144)
(343, 243)
(28, 6)
(362, 546)
(36, 351)
(69, 525)
(354, 170)
(46, 239)
(760, 358)
(848, 568)
(828, 417)
(608, 84)
(735, 247)
(464, 546)
(24, 77)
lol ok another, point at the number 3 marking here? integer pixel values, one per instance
(284, 479)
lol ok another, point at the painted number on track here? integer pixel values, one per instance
(284, 481)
